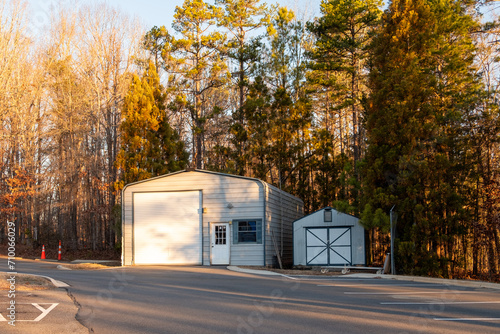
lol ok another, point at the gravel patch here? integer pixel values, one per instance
(25, 282)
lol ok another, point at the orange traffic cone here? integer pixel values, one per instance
(43, 252)
(59, 253)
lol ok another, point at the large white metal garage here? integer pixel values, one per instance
(328, 238)
(199, 217)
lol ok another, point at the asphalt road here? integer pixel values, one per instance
(157, 299)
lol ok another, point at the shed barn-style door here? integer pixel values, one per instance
(328, 246)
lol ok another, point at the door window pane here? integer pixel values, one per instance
(220, 235)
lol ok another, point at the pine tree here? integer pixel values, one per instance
(150, 147)
(342, 39)
(198, 58)
(423, 83)
(259, 124)
(290, 111)
(342, 44)
(241, 18)
(277, 111)
(157, 41)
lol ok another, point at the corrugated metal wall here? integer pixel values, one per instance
(282, 210)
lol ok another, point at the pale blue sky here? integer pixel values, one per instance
(160, 12)
(152, 12)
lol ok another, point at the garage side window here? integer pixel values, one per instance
(247, 231)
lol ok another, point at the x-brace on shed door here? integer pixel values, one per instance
(329, 246)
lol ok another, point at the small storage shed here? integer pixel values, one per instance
(328, 238)
(199, 217)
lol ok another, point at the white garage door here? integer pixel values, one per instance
(328, 246)
(167, 228)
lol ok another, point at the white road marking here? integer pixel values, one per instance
(381, 285)
(466, 319)
(289, 277)
(323, 278)
(405, 293)
(37, 305)
(439, 302)
(44, 311)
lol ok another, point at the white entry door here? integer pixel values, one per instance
(220, 243)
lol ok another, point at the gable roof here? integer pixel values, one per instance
(322, 209)
(189, 170)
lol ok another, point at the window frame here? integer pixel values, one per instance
(258, 232)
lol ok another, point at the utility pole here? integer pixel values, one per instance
(393, 216)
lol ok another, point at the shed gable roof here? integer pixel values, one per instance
(323, 209)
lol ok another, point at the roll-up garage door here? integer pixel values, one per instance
(328, 246)
(167, 228)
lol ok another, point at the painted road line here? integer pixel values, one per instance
(331, 278)
(380, 285)
(44, 311)
(467, 319)
(439, 302)
(406, 293)
(37, 305)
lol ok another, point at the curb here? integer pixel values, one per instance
(93, 261)
(46, 260)
(56, 283)
(61, 267)
(254, 271)
(444, 281)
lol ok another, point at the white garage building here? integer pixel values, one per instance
(328, 238)
(199, 217)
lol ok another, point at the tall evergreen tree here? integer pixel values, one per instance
(197, 56)
(277, 111)
(242, 18)
(338, 59)
(157, 41)
(343, 35)
(423, 83)
(290, 110)
(259, 124)
(150, 147)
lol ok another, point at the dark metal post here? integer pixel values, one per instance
(393, 267)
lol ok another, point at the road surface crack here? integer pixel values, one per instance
(79, 317)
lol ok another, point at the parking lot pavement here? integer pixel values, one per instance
(40, 312)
